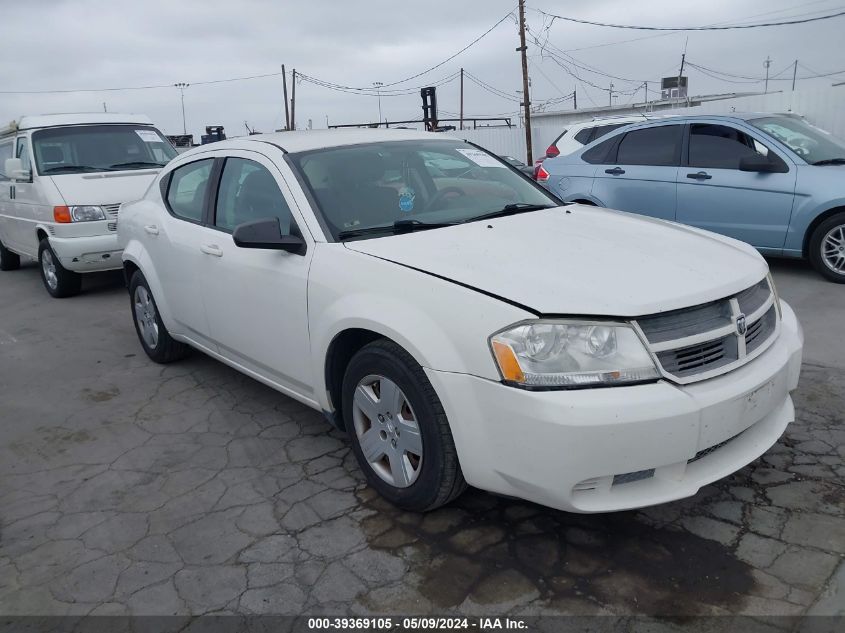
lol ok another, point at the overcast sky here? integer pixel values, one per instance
(72, 44)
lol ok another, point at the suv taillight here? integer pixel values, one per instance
(542, 174)
(552, 151)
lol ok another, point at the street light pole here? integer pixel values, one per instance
(182, 85)
(377, 85)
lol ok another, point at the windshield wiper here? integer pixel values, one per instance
(830, 161)
(137, 163)
(72, 168)
(400, 226)
(510, 209)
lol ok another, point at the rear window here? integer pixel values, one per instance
(657, 146)
(599, 153)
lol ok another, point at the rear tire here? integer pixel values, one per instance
(8, 259)
(410, 454)
(58, 280)
(153, 335)
(827, 248)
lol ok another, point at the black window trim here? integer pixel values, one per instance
(169, 179)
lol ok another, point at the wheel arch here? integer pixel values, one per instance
(135, 258)
(821, 217)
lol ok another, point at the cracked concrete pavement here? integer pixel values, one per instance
(131, 488)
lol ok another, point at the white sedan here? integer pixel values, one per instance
(459, 323)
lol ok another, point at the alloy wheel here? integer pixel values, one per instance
(48, 266)
(833, 249)
(145, 316)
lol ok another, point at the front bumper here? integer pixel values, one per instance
(90, 253)
(599, 450)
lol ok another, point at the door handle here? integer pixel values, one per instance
(212, 249)
(701, 175)
(152, 229)
(616, 171)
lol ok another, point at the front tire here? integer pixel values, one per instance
(153, 335)
(8, 259)
(58, 280)
(827, 248)
(400, 434)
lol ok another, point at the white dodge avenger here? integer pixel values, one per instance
(460, 324)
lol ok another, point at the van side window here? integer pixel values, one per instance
(188, 188)
(722, 146)
(658, 146)
(5, 152)
(249, 192)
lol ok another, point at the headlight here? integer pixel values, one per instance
(87, 213)
(566, 354)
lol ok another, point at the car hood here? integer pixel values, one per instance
(110, 187)
(579, 260)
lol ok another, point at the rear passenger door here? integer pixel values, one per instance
(256, 299)
(640, 172)
(714, 194)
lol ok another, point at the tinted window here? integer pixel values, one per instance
(93, 148)
(188, 186)
(721, 146)
(606, 129)
(584, 135)
(5, 152)
(598, 154)
(650, 146)
(249, 192)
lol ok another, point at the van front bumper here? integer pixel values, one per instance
(89, 253)
(616, 448)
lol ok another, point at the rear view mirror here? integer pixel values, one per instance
(760, 164)
(14, 170)
(267, 234)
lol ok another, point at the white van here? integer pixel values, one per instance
(62, 179)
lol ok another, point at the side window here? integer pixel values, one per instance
(721, 146)
(188, 186)
(22, 152)
(606, 129)
(656, 146)
(249, 192)
(5, 152)
(599, 153)
(584, 135)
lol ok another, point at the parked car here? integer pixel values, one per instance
(64, 177)
(515, 162)
(558, 354)
(771, 180)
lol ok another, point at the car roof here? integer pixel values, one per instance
(31, 122)
(322, 139)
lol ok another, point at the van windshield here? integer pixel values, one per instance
(93, 148)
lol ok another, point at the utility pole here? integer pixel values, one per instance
(285, 90)
(767, 63)
(182, 85)
(681, 72)
(462, 98)
(293, 100)
(105, 109)
(794, 74)
(610, 95)
(645, 85)
(575, 99)
(377, 85)
(526, 98)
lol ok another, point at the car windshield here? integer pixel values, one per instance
(812, 144)
(93, 148)
(413, 184)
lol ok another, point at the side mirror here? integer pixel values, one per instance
(267, 234)
(14, 170)
(760, 164)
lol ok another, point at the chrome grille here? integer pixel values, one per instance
(706, 340)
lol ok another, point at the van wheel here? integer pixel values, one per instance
(827, 248)
(8, 259)
(58, 280)
(154, 337)
(399, 431)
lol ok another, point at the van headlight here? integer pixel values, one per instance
(87, 213)
(569, 354)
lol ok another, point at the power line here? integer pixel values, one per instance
(693, 28)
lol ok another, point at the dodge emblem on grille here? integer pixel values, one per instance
(741, 325)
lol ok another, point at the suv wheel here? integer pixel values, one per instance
(58, 280)
(399, 431)
(8, 259)
(827, 248)
(154, 337)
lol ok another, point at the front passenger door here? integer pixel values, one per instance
(256, 300)
(640, 174)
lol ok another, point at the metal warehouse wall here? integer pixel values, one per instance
(824, 107)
